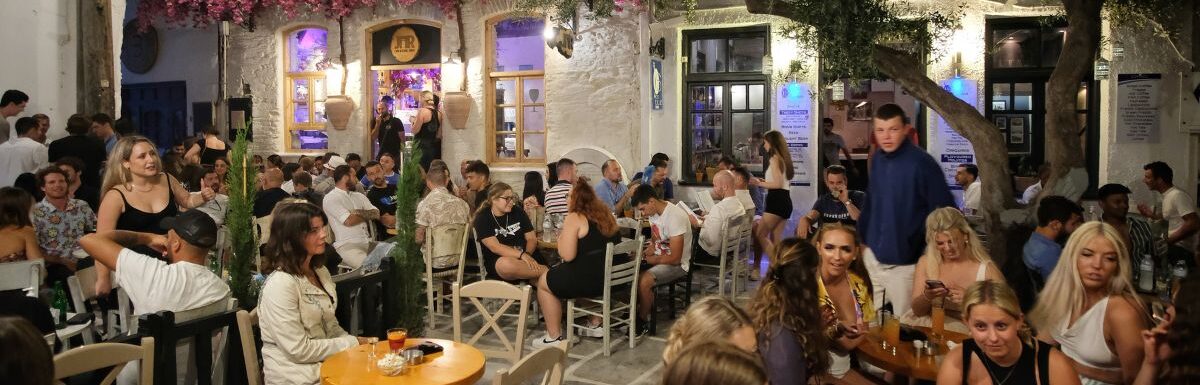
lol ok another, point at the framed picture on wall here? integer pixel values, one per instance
(1016, 132)
(861, 111)
(999, 105)
(1002, 122)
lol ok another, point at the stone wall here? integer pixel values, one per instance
(40, 44)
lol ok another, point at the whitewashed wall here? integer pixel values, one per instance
(592, 100)
(39, 39)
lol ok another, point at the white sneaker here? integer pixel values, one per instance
(545, 341)
(592, 331)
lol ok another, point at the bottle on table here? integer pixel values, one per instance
(1145, 281)
(60, 302)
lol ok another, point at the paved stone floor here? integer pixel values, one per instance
(587, 364)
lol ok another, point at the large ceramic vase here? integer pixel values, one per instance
(338, 108)
(458, 108)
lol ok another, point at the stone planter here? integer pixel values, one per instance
(458, 108)
(338, 108)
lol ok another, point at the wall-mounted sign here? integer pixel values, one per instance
(795, 106)
(139, 49)
(950, 148)
(1137, 107)
(405, 44)
(656, 85)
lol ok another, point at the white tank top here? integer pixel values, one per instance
(775, 174)
(1084, 341)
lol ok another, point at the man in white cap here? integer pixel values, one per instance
(325, 183)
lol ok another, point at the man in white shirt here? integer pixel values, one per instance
(325, 182)
(721, 213)
(153, 285)
(967, 176)
(11, 104)
(1031, 192)
(219, 205)
(1177, 209)
(22, 154)
(350, 213)
(669, 252)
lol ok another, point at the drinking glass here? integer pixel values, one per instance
(891, 329)
(396, 339)
(939, 324)
(371, 342)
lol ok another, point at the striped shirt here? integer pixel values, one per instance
(556, 197)
(1142, 238)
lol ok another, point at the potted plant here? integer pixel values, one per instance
(240, 220)
(409, 263)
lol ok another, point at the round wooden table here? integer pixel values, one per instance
(457, 364)
(903, 359)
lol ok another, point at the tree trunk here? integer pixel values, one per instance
(991, 154)
(95, 82)
(1063, 148)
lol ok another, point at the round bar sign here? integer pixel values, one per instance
(405, 44)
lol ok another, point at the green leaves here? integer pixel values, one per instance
(240, 221)
(409, 263)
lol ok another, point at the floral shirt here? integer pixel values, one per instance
(862, 297)
(58, 231)
(438, 208)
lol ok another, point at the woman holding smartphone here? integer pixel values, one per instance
(954, 259)
(844, 289)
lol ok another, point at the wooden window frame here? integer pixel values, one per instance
(493, 77)
(289, 124)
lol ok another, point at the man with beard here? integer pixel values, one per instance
(383, 196)
(1057, 217)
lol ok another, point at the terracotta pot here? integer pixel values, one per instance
(338, 108)
(458, 108)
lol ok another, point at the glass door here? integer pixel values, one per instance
(725, 118)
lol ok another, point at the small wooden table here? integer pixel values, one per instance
(905, 360)
(458, 364)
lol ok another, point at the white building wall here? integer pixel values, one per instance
(184, 54)
(1123, 162)
(40, 40)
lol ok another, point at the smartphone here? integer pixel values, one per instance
(934, 284)
(429, 348)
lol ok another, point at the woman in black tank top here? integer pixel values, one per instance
(1001, 350)
(133, 175)
(427, 129)
(203, 154)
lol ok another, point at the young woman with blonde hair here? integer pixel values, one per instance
(136, 194)
(711, 318)
(715, 363)
(1090, 309)
(844, 289)
(1001, 349)
(954, 259)
(791, 331)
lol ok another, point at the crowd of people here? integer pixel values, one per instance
(147, 220)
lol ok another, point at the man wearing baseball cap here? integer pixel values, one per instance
(153, 285)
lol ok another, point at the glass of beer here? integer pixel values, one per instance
(396, 339)
(938, 316)
(891, 330)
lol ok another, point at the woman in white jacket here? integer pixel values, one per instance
(296, 307)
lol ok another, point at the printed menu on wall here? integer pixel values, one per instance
(795, 106)
(949, 148)
(1137, 107)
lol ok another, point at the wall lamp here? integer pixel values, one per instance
(659, 48)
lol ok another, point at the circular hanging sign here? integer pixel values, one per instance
(405, 44)
(139, 49)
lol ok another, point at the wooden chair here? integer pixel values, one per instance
(550, 360)
(22, 275)
(447, 240)
(728, 261)
(107, 355)
(615, 277)
(360, 297)
(246, 323)
(478, 256)
(82, 287)
(493, 290)
(264, 228)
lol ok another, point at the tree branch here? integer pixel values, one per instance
(770, 7)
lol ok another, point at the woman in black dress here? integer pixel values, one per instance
(427, 129)
(587, 229)
(1001, 349)
(206, 151)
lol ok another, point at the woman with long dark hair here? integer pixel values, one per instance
(534, 192)
(791, 330)
(296, 307)
(25, 359)
(779, 200)
(507, 237)
(582, 241)
(18, 240)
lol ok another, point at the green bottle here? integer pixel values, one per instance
(60, 301)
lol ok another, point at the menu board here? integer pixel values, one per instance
(1137, 107)
(795, 123)
(949, 148)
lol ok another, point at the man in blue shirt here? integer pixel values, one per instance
(1057, 218)
(610, 190)
(906, 185)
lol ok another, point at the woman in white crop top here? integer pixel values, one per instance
(1090, 310)
(779, 200)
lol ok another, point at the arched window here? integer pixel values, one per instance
(517, 93)
(305, 63)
